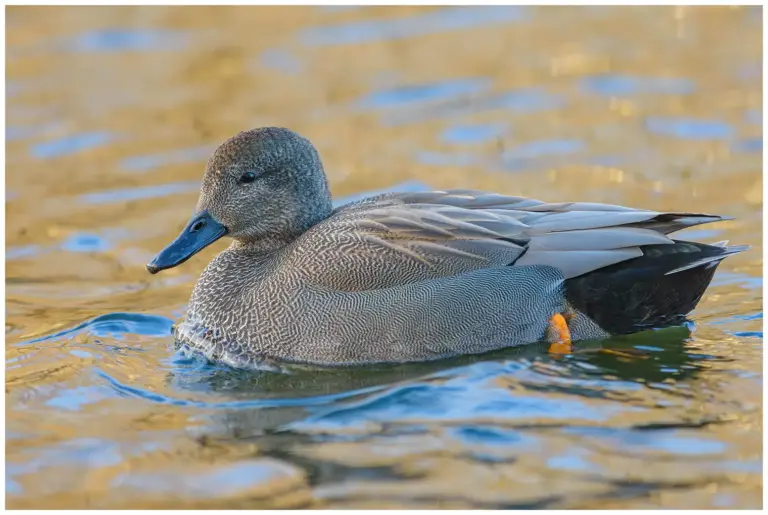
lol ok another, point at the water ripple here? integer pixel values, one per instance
(521, 101)
(121, 40)
(139, 193)
(469, 134)
(625, 85)
(431, 92)
(148, 395)
(440, 20)
(70, 145)
(689, 128)
(113, 325)
(469, 396)
(148, 162)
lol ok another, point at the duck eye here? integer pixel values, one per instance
(247, 177)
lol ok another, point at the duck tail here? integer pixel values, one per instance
(712, 261)
(657, 289)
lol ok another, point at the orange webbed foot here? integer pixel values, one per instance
(559, 335)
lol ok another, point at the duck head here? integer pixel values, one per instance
(263, 187)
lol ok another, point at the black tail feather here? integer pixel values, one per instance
(657, 289)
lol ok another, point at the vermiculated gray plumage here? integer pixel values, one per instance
(419, 276)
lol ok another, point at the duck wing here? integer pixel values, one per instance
(398, 238)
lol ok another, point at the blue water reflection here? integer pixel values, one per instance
(143, 163)
(431, 92)
(625, 85)
(121, 39)
(441, 20)
(141, 192)
(687, 128)
(478, 133)
(70, 144)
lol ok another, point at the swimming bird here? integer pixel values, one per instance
(419, 276)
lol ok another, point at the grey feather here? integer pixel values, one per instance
(573, 220)
(597, 239)
(574, 263)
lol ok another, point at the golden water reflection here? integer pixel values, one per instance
(111, 113)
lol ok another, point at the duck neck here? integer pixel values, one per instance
(263, 245)
(266, 243)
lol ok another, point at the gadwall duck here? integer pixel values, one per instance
(416, 276)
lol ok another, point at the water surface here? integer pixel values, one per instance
(111, 114)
